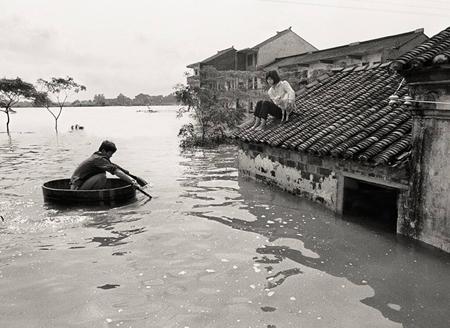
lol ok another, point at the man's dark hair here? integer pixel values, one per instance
(274, 76)
(108, 146)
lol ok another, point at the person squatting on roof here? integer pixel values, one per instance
(91, 173)
(282, 102)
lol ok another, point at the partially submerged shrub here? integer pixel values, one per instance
(212, 113)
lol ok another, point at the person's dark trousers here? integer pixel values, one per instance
(95, 182)
(263, 108)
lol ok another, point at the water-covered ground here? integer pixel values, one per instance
(209, 250)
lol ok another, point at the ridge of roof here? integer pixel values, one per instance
(219, 52)
(276, 36)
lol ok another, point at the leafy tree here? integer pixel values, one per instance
(60, 89)
(11, 92)
(211, 112)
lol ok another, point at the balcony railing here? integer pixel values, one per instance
(193, 81)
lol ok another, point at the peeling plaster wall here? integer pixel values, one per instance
(318, 179)
(318, 188)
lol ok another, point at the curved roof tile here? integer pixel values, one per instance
(425, 54)
(346, 115)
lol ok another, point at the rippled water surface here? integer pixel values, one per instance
(209, 250)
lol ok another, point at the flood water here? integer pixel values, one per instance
(209, 250)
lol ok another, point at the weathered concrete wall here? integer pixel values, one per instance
(286, 45)
(436, 183)
(314, 178)
(428, 212)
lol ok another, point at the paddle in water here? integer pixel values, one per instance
(145, 193)
(139, 180)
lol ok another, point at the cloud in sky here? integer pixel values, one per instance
(144, 46)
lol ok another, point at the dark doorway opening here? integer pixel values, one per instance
(371, 204)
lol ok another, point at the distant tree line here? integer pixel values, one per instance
(121, 100)
(141, 99)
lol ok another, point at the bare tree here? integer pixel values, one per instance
(59, 89)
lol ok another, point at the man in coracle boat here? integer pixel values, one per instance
(91, 173)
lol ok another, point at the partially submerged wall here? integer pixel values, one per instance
(318, 179)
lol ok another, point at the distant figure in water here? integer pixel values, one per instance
(77, 127)
(281, 104)
(91, 174)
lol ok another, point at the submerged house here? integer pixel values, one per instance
(351, 148)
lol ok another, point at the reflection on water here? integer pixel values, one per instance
(209, 250)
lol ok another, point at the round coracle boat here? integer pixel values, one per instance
(117, 191)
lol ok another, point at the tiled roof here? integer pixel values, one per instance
(218, 54)
(355, 48)
(346, 115)
(434, 51)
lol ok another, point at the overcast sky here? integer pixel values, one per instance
(136, 46)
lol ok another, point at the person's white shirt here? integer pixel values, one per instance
(282, 94)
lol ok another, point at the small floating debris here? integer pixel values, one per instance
(225, 260)
(271, 293)
(268, 309)
(293, 298)
(119, 253)
(108, 286)
(210, 270)
(395, 307)
(182, 273)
